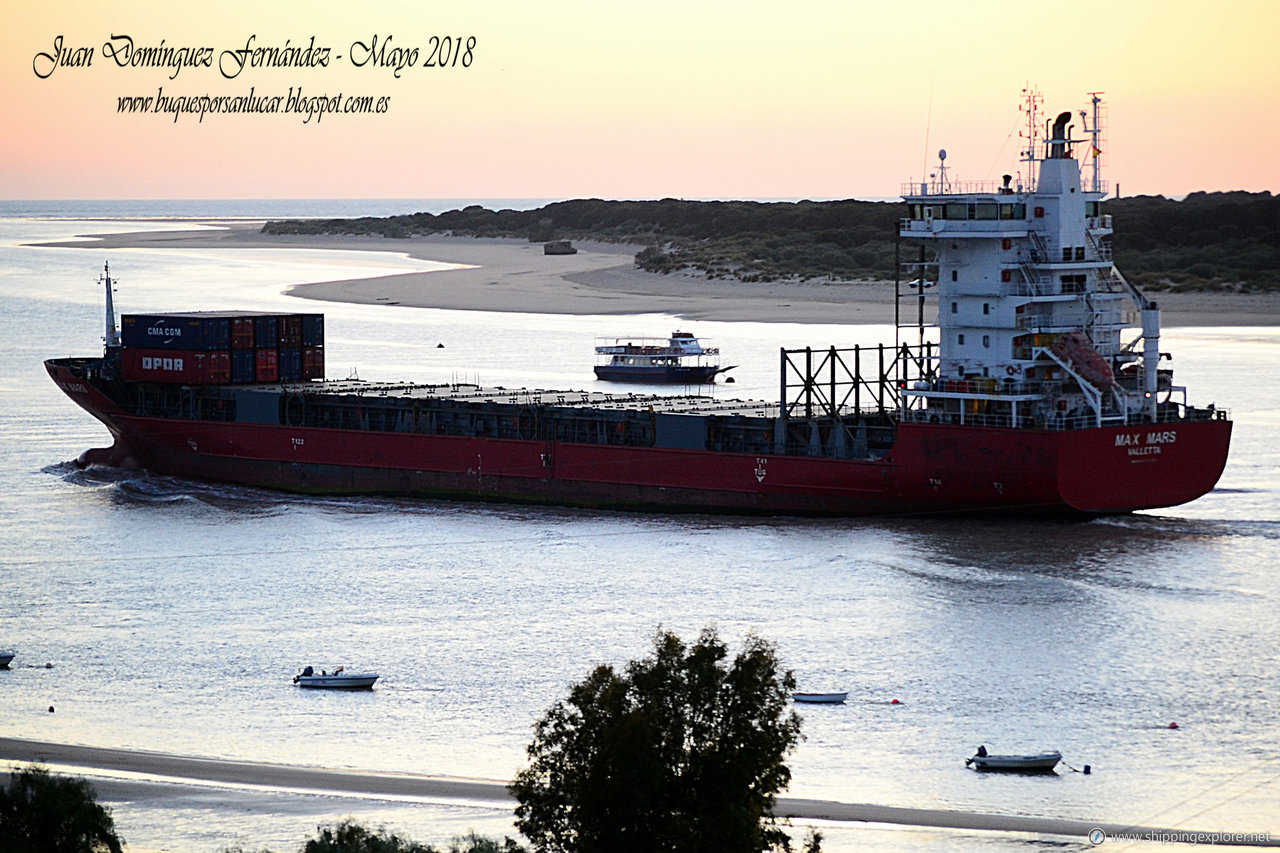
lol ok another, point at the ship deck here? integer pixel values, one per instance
(673, 404)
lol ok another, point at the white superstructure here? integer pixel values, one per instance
(1030, 309)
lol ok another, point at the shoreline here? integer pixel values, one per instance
(510, 275)
(178, 771)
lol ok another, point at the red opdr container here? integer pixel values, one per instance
(186, 367)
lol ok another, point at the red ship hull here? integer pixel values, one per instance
(931, 467)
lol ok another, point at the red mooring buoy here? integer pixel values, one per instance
(1173, 725)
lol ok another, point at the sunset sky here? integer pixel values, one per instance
(644, 100)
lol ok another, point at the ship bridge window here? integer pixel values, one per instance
(1013, 211)
(987, 211)
(957, 211)
(1073, 283)
(1093, 208)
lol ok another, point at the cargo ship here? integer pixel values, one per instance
(1022, 395)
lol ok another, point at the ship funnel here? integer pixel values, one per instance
(1058, 142)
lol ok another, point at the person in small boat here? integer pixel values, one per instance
(982, 752)
(308, 671)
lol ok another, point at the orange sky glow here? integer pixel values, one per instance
(692, 100)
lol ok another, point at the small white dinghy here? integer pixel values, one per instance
(1040, 762)
(339, 679)
(821, 698)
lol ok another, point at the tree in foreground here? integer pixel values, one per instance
(351, 837)
(43, 813)
(684, 751)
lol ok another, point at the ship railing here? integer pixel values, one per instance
(1101, 249)
(1111, 283)
(1039, 325)
(1026, 288)
(970, 419)
(1166, 413)
(1102, 222)
(1035, 280)
(989, 388)
(912, 189)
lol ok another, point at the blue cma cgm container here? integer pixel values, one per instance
(176, 331)
(207, 331)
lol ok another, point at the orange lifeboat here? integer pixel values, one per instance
(1075, 349)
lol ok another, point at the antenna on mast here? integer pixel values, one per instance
(1094, 129)
(112, 337)
(928, 122)
(1032, 99)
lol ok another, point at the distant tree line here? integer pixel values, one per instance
(1207, 241)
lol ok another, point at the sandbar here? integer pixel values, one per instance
(194, 770)
(511, 275)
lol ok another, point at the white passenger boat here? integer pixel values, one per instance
(679, 358)
(339, 679)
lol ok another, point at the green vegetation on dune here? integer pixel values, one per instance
(1207, 241)
(751, 241)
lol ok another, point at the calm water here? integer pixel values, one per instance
(175, 612)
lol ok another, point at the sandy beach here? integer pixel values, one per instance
(601, 279)
(177, 770)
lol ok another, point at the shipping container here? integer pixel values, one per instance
(243, 366)
(220, 367)
(313, 362)
(290, 364)
(242, 334)
(192, 331)
(267, 365)
(290, 326)
(189, 367)
(312, 330)
(266, 331)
